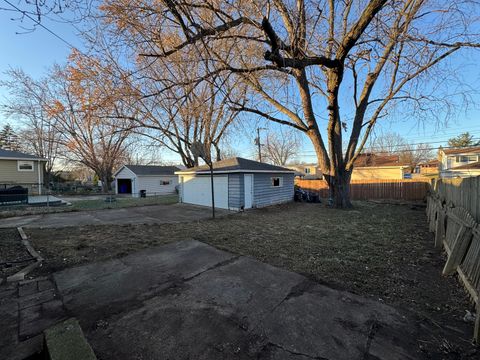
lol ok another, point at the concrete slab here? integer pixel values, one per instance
(152, 214)
(95, 291)
(191, 301)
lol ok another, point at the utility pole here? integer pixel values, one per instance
(258, 143)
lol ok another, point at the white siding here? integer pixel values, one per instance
(125, 173)
(153, 184)
(197, 190)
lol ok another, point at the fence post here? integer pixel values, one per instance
(440, 228)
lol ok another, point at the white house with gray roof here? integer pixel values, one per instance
(238, 184)
(154, 180)
(20, 169)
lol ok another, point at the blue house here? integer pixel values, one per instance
(238, 184)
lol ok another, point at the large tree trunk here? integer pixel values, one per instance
(106, 178)
(339, 185)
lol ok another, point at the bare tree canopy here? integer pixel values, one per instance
(76, 113)
(281, 146)
(26, 104)
(395, 144)
(301, 60)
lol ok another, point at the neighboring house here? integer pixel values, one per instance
(306, 171)
(21, 169)
(462, 162)
(238, 184)
(154, 180)
(427, 168)
(370, 166)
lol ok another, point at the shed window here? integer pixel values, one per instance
(277, 181)
(25, 165)
(165, 182)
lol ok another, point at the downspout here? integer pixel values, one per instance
(39, 179)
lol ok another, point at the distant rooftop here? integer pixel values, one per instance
(464, 150)
(237, 164)
(146, 170)
(372, 159)
(17, 155)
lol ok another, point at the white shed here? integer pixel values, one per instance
(153, 180)
(238, 184)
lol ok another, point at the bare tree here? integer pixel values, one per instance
(281, 146)
(86, 111)
(301, 59)
(26, 102)
(395, 144)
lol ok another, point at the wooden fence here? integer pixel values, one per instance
(454, 215)
(410, 190)
(461, 192)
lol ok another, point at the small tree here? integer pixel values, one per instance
(462, 140)
(9, 139)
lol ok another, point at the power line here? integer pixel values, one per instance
(26, 14)
(312, 153)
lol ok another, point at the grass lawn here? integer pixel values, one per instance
(81, 205)
(123, 202)
(376, 250)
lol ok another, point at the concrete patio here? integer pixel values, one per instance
(188, 300)
(152, 214)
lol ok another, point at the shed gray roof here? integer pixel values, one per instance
(236, 164)
(17, 155)
(152, 170)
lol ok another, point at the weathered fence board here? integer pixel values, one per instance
(457, 237)
(461, 192)
(453, 213)
(409, 190)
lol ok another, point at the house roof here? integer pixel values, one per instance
(151, 170)
(470, 166)
(465, 150)
(236, 164)
(17, 155)
(374, 160)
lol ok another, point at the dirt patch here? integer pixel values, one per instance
(13, 255)
(376, 250)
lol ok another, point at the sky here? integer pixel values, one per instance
(35, 51)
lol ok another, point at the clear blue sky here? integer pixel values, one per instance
(34, 51)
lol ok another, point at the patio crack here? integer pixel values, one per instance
(371, 334)
(213, 267)
(295, 353)
(296, 290)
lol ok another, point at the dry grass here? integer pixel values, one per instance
(376, 250)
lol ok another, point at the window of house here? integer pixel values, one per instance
(461, 158)
(277, 181)
(25, 165)
(165, 182)
(307, 170)
(472, 158)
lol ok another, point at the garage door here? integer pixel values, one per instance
(197, 190)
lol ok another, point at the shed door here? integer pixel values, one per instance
(248, 187)
(197, 190)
